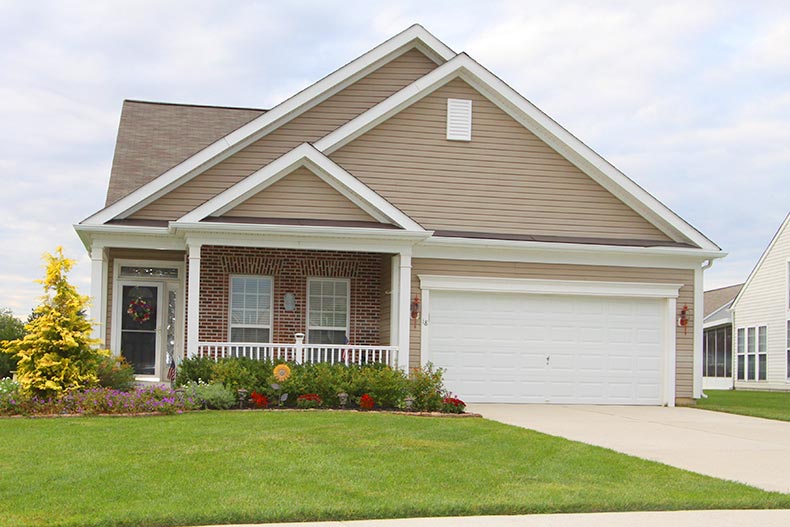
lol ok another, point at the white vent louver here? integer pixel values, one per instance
(459, 119)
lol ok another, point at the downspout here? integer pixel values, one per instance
(699, 307)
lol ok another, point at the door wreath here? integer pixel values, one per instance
(139, 310)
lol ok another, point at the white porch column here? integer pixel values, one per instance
(404, 303)
(193, 304)
(98, 306)
(394, 301)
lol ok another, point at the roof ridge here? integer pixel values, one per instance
(162, 103)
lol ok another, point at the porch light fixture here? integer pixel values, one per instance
(289, 301)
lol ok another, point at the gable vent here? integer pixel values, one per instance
(459, 119)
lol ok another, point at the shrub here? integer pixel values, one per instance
(9, 396)
(195, 369)
(366, 402)
(116, 373)
(427, 388)
(387, 386)
(235, 374)
(57, 354)
(213, 395)
(11, 328)
(309, 400)
(453, 405)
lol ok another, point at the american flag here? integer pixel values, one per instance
(171, 370)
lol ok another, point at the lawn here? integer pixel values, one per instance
(770, 405)
(235, 467)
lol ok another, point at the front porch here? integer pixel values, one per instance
(218, 301)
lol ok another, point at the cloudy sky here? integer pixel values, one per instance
(690, 99)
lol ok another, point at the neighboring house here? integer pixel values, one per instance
(717, 338)
(761, 318)
(409, 208)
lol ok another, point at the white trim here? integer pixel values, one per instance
(98, 305)
(534, 120)
(193, 305)
(394, 297)
(414, 36)
(670, 353)
(759, 264)
(330, 172)
(555, 252)
(314, 279)
(404, 304)
(549, 287)
(270, 327)
(667, 292)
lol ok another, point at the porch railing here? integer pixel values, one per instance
(301, 353)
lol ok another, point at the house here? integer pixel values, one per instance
(717, 338)
(409, 208)
(761, 318)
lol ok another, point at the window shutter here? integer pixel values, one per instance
(459, 119)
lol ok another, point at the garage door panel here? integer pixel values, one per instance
(494, 347)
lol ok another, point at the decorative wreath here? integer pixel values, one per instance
(139, 310)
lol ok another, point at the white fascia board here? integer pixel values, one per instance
(414, 37)
(125, 236)
(759, 264)
(329, 171)
(298, 230)
(548, 287)
(561, 253)
(532, 118)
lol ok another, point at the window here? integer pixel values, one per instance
(327, 311)
(717, 358)
(250, 308)
(752, 353)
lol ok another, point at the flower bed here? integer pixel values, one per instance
(94, 401)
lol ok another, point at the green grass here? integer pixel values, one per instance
(770, 405)
(243, 467)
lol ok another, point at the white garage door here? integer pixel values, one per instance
(530, 348)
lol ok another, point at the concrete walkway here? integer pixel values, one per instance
(735, 447)
(613, 519)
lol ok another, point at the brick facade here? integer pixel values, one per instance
(290, 270)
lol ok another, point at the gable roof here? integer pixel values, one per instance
(715, 299)
(759, 264)
(333, 174)
(537, 122)
(154, 136)
(414, 37)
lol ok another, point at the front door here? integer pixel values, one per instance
(140, 326)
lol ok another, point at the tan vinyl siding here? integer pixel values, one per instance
(684, 341)
(132, 254)
(300, 195)
(308, 127)
(505, 180)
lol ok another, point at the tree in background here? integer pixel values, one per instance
(11, 328)
(57, 354)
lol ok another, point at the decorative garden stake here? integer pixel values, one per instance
(408, 402)
(242, 397)
(343, 398)
(282, 372)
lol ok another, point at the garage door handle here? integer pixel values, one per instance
(548, 358)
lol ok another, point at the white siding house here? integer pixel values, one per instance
(761, 320)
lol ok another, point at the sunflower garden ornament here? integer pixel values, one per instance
(282, 372)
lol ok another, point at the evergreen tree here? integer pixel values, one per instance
(57, 354)
(11, 328)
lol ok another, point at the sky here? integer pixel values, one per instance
(689, 99)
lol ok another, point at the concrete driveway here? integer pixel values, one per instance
(746, 449)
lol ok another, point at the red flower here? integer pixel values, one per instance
(454, 402)
(260, 400)
(366, 402)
